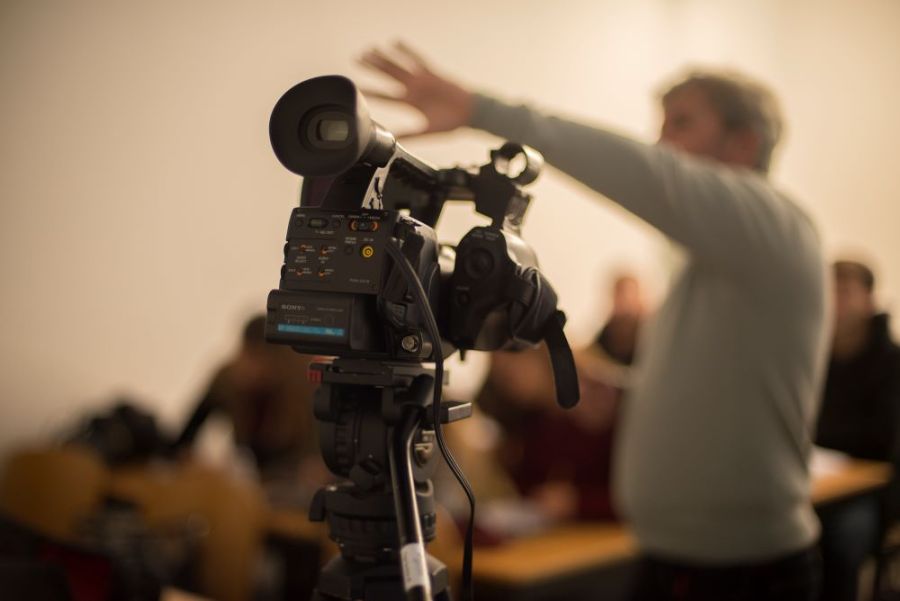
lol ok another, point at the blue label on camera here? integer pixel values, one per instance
(311, 330)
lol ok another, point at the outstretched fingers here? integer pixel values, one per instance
(377, 60)
(411, 54)
(401, 135)
(371, 93)
(443, 104)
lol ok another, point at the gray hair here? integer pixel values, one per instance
(742, 103)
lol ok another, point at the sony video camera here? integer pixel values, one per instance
(366, 203)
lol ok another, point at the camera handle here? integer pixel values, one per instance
(565, 375)
(534, 315)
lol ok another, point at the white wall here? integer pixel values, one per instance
(143, 211)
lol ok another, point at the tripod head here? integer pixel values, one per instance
(376, 432)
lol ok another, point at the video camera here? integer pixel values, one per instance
(365, 280)
(341, 294)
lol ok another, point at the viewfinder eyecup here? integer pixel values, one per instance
(322, 127)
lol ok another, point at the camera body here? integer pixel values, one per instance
(340, 291)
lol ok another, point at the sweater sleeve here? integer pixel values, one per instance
(727, 217)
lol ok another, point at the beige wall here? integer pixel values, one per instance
(143, 211)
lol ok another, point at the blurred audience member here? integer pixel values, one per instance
(618, 337)
(860, 416)
(517, 390)
(476, 444)
(264, 392)
(565, 461)
(558, 460)
(124, 434)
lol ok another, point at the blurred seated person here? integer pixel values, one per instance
(475, 443)
(618, 336)
(860, 416)
(264, 392)
(558, 459)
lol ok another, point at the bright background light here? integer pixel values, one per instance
(143, 212)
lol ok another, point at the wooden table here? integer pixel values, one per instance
(560, 564)
(857, 478)
(174, 594)
(567, 562)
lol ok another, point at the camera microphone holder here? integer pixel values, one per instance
(376, 431)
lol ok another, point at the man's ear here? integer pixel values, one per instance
(742, 147)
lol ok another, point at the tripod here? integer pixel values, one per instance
(376, 433)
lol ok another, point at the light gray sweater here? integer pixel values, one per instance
(711, 458)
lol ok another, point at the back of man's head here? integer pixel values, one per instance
(854, 288)
(254, 333)
(855, 271)
(742, 104)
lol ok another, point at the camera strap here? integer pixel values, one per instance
(536, 298)
(564, 373)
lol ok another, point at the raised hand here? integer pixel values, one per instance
(445, 104)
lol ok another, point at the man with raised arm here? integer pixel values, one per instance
(711, 464)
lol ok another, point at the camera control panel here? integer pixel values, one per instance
(333, 271)
(337, 252)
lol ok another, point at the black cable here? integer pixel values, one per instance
(438, 353)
